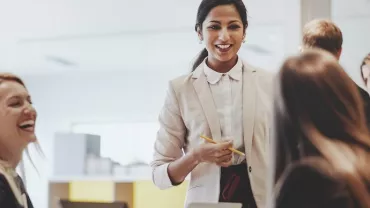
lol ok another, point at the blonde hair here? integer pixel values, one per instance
(324, 34)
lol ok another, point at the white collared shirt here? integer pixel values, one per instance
(227, 93)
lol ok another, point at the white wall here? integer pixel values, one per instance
(354, 20)
(356, 44)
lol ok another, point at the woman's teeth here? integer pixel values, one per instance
(27, 124)
(223, 46)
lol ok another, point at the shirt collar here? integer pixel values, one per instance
(213, 77)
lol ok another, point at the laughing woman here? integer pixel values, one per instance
(17, 121)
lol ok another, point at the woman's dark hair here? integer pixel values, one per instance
(362, 65)
(319, 113)
(204, 8)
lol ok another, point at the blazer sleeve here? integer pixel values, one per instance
(170, 140)
(309, 186)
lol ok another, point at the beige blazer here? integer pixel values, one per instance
(189, 111)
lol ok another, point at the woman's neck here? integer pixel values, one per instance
(221, 67)
(10, 159)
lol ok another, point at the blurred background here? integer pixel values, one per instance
(98, 73)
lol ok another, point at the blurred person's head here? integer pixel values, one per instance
(221, 24)
(365, 71)
(17, 118)
(324, 34)
(319, 113)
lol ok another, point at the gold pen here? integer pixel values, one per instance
(230, 148)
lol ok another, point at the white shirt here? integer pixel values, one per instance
(227, 92)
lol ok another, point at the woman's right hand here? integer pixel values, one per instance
(214, 153)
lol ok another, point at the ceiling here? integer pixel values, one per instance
(47, 36)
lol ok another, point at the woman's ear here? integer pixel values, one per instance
(199, 32)
(245, 31)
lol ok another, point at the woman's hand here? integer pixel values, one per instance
(214, 153)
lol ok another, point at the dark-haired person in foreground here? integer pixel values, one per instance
(321, 142)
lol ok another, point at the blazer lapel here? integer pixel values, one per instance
(206, 100)
(249, 102)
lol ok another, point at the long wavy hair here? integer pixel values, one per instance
(319, 112)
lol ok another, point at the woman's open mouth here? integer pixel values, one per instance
(223, 48)
(28, 126)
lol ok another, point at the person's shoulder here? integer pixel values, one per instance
(366, 101)
(360, 89)
(364, 94)
(181, 79)
(264, 79)
(262, 75)
(255, 69)
(180, 82)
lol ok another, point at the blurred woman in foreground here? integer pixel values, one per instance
(321, 142)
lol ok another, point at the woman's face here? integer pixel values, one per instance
(223, 33)
(17, 115)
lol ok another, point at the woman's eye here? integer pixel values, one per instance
(15, 104)
(234, 27)
(214, 27)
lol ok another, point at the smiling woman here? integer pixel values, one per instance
(17, 125)
(223, 98)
